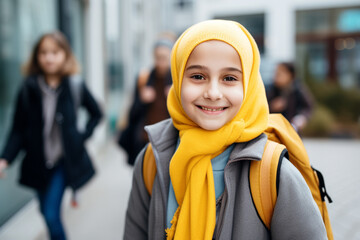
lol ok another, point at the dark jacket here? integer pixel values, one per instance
(27, 134)
(298, 99)
(133, 137)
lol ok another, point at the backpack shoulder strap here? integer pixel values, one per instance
(149, 168)
(263, 181)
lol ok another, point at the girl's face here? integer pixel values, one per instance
(51, 57)
(283, 77)
(162, 59)
(212, 88)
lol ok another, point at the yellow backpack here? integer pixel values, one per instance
(263, 174)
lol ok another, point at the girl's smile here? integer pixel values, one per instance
(211, 110)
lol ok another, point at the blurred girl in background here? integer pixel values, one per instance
(44, 126)
(289, 97)
(149, 105)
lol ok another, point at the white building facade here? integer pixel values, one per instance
(308, 32)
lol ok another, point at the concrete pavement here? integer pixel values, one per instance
(339, 162)
(103, 201)
(102, 204)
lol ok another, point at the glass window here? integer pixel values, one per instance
(21, 24)
(254, 23)
(315, 65)
(348, 62)
(326, 20)
(114, 71)
(313, 21)
(72, 23)
(328, 45)
(349, 20)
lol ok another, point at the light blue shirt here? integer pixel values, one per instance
(218, 164)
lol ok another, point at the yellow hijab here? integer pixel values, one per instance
(190, 167)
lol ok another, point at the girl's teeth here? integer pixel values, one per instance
(212, 109)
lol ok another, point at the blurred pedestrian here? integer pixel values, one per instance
(203, 154)
(149, 105)
(44, 126)
(289, 97)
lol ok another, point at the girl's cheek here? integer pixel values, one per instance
(190, 91)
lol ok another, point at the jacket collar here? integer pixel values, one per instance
(163, 137)
(252, 150)
(32, 81)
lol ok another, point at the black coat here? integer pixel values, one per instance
(298, 100)
(27, 134)
(132, 137)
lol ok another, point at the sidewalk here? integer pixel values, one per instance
(103, 201)
(339, 162)
(102, 204)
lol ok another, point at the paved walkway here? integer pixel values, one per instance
(103, 201)
(102, 204)
(339, 161)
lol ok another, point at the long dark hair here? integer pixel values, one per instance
(70, 67)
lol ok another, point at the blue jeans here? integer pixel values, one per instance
(50, 204)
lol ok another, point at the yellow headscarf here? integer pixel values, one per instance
(190, 167)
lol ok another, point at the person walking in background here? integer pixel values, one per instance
(44, 126)
(202, 155)
(287, 96)
(149, 105)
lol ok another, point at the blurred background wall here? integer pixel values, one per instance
(113, 40)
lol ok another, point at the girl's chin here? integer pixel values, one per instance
(211, 126)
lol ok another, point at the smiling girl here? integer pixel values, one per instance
(44, 125)
(219, 113)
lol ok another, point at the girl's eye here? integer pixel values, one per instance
(229, 79)
(197, 77)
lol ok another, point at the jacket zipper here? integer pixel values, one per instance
(221, 213)
(223, 201)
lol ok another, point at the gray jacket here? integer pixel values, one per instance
(296, 215)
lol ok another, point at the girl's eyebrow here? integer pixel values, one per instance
(196, 67)
(200, 67)
(232, 69)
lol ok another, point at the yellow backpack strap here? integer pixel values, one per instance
(263, 181)
(149, 168)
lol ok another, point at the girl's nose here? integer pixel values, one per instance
(212, 91)
(49, 57)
